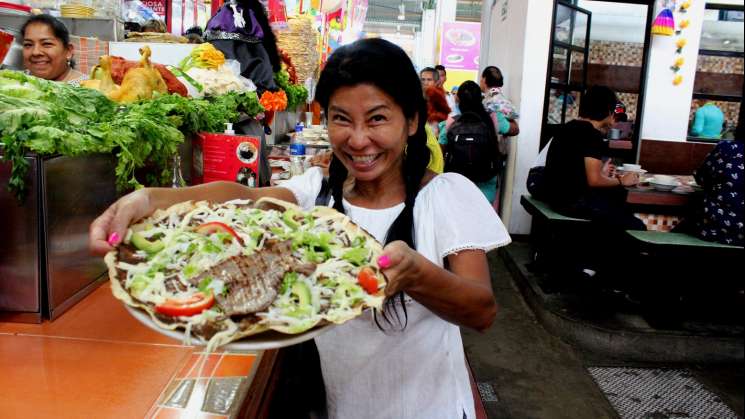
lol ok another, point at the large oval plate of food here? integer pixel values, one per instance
(246, 275)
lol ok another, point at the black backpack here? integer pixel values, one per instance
(471, 149)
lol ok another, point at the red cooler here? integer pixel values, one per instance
(226, 157)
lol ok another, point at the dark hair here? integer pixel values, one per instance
(132, 27)
(196, 30)
(493, 76)
(439, 67)
(384, 65)
(435, 74)
(598, 103)
(270, 41)
(155, 25)
(194, 38)
(740, 129)
(58, 28)
(469, 100)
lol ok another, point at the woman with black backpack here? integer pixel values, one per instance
(470, 140)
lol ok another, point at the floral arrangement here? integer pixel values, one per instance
(204, 56)
(273, 102)
(680, 43)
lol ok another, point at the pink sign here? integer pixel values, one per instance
(158, 6)
(460, 45)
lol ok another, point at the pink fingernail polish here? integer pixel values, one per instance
(113, 239)
(384, 261)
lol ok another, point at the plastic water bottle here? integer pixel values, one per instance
(297, 151)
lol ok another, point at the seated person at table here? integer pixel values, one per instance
(708, 121)
(719, 217)
(577, 182)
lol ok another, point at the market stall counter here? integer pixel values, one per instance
(98, 361)
(45, 265)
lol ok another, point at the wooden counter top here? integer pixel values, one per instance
(96, 360)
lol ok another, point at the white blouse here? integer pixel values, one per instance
(419, 372)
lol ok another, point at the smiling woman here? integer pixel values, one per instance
(47, 51)
(437, 230)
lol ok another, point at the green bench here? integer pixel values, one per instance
(659, 238)
(560, 233)
(541, 210)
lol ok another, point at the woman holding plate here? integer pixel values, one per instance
(407, 362)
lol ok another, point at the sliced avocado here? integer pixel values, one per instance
(343, 292)
(140, 242)
(302, 291)
(289, 218)
(304, 308)
(139, 283)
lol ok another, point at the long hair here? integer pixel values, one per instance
(437, 105)
(384, 65)
(469, 101)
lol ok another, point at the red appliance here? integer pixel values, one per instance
(226, 157)
(6, 40)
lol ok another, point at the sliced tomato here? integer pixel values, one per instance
(367, 280)
(190, 306)
(217, 227)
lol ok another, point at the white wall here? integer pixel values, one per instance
(666, 107)
(426, 56)
(517, 42)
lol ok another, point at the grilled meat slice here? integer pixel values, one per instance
(252, 281)
(128, 254)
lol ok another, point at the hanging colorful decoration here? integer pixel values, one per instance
(664, 23)
(277, 14)
(680, 43)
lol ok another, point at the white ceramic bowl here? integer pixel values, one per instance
(663, 186)
(631, 167)
(665, 180)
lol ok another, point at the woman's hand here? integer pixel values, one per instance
(461, 295)
(401, 266)
(109, 228)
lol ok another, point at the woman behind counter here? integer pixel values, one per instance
(47, 51)
(409, 362)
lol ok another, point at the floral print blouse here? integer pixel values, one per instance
(495, 101)
(721, 176)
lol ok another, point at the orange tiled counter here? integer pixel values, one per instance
(96, 360)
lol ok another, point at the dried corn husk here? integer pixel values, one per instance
(300, 41)
(155, 37)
